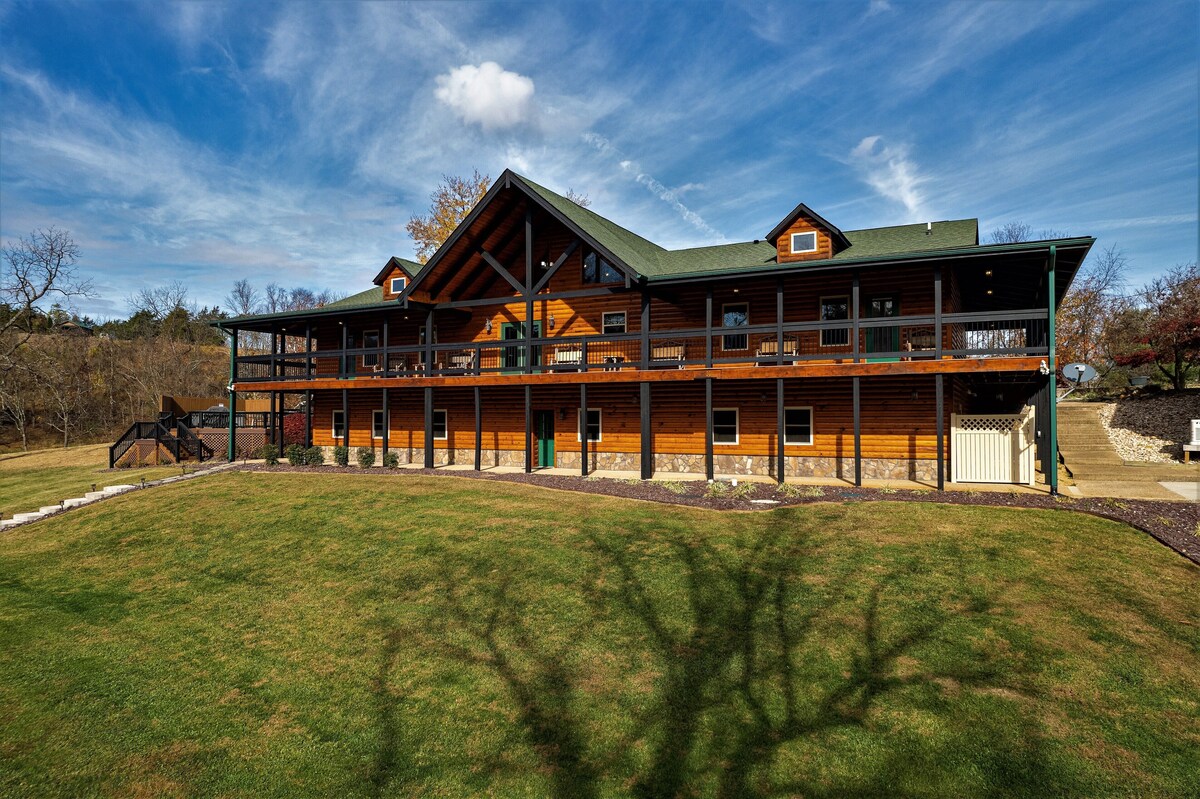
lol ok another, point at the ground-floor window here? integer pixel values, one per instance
(339, 424)
(439, 425)
(376, 424)
(797, 426)
(725, 425)
(593, 425)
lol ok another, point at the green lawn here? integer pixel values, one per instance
(29, 480)
(333, 635)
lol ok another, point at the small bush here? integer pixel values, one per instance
(672, 486)
(744, 490)
(391, 460)
(365, 456)
(295, 454)
(716, 489)
(314, 456)
(341, 455)
(790, 490)
(270, 454)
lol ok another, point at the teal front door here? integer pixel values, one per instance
(882, 339)
(543, 432)
(514, 356)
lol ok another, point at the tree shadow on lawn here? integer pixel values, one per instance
(765, 669)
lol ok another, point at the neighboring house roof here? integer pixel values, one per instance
(833, 231)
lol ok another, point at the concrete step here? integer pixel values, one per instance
(118, 489)
(50, 509)
(25, 517)
(91, 495)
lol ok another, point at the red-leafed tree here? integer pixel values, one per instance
(1163, 327)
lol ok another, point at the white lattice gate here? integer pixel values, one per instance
(992, 448)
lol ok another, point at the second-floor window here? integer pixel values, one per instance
(598, 270)
(370, 339)
(834, 309)
(397, 285)
(614, 322)
(735, 315)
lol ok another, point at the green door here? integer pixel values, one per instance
(543, 432)
(882, 339)
(514, 357)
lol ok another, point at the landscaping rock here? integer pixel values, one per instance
(1151, 429)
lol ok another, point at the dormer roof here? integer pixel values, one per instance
(803, 210)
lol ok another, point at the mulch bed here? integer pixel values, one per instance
(1174, 524)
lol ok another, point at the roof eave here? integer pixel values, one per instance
(834, 231)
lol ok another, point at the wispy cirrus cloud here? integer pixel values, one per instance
(891, 173)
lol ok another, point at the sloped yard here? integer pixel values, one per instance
(326, 635)
(29, 480)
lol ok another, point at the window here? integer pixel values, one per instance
(804, 242)
(370, 339)
(832, 310)
(376, 424)
(339, 424)
(421, 336)
(397, 284)
(797, 426)
(614, 322)
(735, 315)
(725, 426)
(598, 270)
(593, 425)
(439, 425)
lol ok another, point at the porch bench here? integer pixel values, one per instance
(568, 356)
(669, 353)
(769, 348)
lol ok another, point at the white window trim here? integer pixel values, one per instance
(737, 428)
(363, 358)
(445, 427)
(812, 433)
(385, 421)
(624, 322)
(746, 348)
(599, 426)
(849, 313)
(792, 242)
(333, 433)
(392, 284)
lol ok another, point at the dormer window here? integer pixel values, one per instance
(804, 242)
(396, 285)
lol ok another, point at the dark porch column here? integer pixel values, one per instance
(478, 430)
(529, 296)
(308, 401)
(583, 430)
(428, 426)
(342, 362)
(708, 429)
(857, 432)
(231, 453)
(345, 418)
(647, 435)
(941, 423)
(528, 429)
(780, 427)
(387, 423)
(854, 316)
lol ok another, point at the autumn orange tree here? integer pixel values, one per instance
(449, 204)
(1090, 306)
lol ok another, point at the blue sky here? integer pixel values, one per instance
(208, 142)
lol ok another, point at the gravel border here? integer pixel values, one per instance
(1173, 524)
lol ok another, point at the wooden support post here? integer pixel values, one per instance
(780, 429)
(528, 428)
(272, 417)
(1052, 427)
(937, 313)
(385, 364)
(854, 302)
(938, 390)
(529, 294)
(647, 441)
(708, 326)
(343, 371)
(708, 429)
(231, 453)
(645, 359)
(857, 432)
(308, 352)
(387, 424)
(478, 430)
(282, 417)
(308, 400)
(779, 323)
(428, 427)
(429, 335)
(583, 429)
(345, 418)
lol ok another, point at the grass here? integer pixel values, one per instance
(29, 480)
(331, 635)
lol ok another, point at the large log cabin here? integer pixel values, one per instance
(543, 335)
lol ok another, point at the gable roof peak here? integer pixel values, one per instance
(804, 210)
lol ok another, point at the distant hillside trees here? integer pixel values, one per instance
(1161, 326)
(35, 270)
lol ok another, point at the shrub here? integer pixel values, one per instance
(270, 454)
(314, 456)
(391, 460)
(295, 454)
(716, 489)
(341, 455)
(366, 457)
(744, 490)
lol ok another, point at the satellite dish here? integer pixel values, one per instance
(1079, 373)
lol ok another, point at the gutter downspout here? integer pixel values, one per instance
(1052, 477)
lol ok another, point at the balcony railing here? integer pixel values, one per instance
(902, 338)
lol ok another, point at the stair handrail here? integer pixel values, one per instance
(113, 455)
(192, 442)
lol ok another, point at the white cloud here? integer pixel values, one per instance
(487, 95)
(889, 171)
(877, 7)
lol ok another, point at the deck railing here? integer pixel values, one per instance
(902, 338)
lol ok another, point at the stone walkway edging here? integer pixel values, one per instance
(91, 497)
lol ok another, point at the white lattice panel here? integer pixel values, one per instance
(992, 448)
